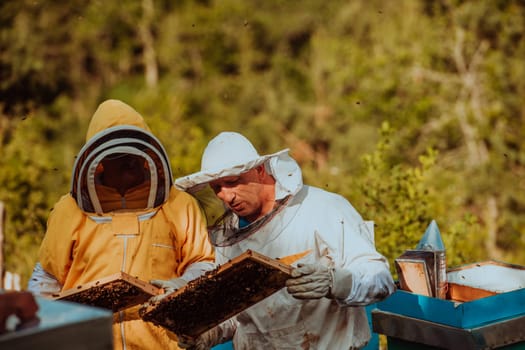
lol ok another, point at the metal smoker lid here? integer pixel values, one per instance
(431, 240)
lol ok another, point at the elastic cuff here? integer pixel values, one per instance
(341, 283)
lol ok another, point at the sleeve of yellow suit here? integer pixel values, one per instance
(62, 225)
(189, 224)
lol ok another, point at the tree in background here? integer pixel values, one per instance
(411, 109)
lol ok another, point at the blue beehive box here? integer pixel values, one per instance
(497, 292)
(475, 306)
(62, 326)
(484, 309)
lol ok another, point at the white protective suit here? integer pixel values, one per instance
(312, 219)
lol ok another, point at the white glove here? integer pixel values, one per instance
(169, 286)
(314, 281)
(204, 341)
(193, 344)
(309, 281)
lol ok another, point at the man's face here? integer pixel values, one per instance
(123, 171)
(243, 193)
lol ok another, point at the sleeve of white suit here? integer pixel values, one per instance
(43, 283)
(361, 275)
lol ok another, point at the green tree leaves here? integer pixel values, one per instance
(413, 110)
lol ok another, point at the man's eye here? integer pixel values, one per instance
(231, 181)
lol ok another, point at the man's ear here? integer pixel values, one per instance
(261, 171)
(264, 175)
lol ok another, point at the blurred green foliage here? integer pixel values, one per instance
(411, 109)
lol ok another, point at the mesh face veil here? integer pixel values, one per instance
(231, 154)
(113, 142)
(226, 230)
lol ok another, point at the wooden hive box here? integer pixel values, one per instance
(477, 310)
(484, 279)
(218, 295)
(115, 292)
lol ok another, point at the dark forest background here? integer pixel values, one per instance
(413, 110)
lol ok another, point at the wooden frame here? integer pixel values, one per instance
(415, 270)
(115, 292)
(218, 295)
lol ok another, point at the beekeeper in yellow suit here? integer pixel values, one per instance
(123, 214)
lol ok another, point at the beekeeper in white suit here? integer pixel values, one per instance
(270, 211)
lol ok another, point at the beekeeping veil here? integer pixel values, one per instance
(231, 154)
(115, 129)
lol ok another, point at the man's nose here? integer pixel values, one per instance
(227, 195)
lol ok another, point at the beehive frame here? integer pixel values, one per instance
(115, 292)
(218, 295)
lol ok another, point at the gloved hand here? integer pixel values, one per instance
(193, 343)
(204, 341)
(310, 281)
(314, 281)
(169, 287)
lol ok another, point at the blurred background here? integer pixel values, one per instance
(413, 110)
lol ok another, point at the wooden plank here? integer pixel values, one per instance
(413, 276)
(115, 292)
(462, 293)
(218, 295)
(421, 332)
(416, 270)
(495, 335)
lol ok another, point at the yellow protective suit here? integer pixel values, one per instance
(154, 231)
